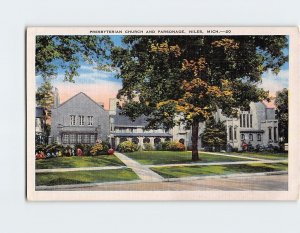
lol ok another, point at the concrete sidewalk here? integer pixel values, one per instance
(143, 172)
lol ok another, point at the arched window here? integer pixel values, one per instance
(251, 137)
(156, 140)
(146, 140)
(181, 140)
(167, 139)
(135, 140)
(259, 137)
(242, 136)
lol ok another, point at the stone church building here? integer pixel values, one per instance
(82, 120)
(78, 120)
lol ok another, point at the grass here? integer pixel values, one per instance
(76, 161)
(187, 171)
(173, 157)
(84, 177)
(263, 155)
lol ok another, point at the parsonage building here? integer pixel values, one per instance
(82, 120)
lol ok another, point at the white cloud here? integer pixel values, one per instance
(274, 83)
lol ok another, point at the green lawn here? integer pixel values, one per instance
(186, 171)
(173, 157)
(78, 161)
(263, 155)
(84, 177)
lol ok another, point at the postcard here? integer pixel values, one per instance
(162, 113)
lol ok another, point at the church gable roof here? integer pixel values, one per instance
(80, 95)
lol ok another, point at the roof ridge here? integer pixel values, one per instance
(77, 95)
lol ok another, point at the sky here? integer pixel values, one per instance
(102, 85)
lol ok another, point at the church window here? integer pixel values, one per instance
(72, 138)
(242, 136)
(230, 133)
(247, 120)
(259, 137)
(81, 120)
(235, 133)
(90, 120)
(72, 120)
(241, 121)
(275, 134)
(92, 138)
(65, 138)
(251, 137)
(270, 133)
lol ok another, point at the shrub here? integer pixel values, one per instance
(175, 146)
(158, 146)
(96, 149)
(148, 147)
(128, 146)
(165, 145)
(106, 147)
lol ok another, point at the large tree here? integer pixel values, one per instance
(173, 79)
(66, 53)
(282, 112)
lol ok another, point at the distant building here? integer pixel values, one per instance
(78, 120)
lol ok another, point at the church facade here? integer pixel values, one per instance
(256, 127)
(81, 120)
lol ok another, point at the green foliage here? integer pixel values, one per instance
(214, 134)
(44, 96)
(99, 149)
(164, 76)
(175, 146)
(128, 146)
(66, 52)
(170, 146)
(282, 113)
(148, 147)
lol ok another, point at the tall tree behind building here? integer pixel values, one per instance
(282, 112)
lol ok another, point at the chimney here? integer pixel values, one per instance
(56, 98)
(113, 106)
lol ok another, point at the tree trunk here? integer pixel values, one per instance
(195, 136)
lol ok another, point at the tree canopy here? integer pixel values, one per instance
(65, 53)
(191, 76)
(281, 102)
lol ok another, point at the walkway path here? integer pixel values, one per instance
(235, 156)
(143, 172)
